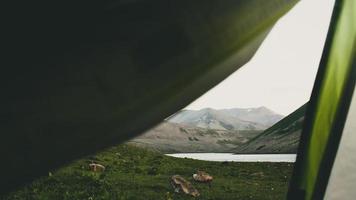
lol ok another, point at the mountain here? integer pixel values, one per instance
(207, 130)
(261, 115)
(170, 137)
(283, 137)
(228, 119)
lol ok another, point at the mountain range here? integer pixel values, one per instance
(228, 119)
(170, 137)
(236, 130)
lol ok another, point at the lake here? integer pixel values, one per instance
(221, 157)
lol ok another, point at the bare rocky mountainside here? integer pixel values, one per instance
(228, 119)
(227, 130)
(170, 137)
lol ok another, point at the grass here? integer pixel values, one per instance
(135, 173)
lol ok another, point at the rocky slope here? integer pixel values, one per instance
(228, 130)
(170, 137)
(228, 119)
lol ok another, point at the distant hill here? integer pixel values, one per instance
(228, 119)
(207, 130)
(261, 115)
(283, 137)
(170, 137)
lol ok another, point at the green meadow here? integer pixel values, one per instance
(136, 173)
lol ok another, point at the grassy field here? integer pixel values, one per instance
(135, 173)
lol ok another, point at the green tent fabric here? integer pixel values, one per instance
(342, 180)
(328, 106)
(80, 76)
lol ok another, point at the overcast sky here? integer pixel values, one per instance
(281, 74)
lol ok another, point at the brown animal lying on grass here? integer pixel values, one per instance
(202, 176)
(96, 167)
(180, 184)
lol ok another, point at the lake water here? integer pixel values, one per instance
(221, 157)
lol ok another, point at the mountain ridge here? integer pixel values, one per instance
(207, 130)
(169, 137)
(258, 118)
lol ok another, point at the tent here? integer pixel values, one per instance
(82, 76)
(316, 175)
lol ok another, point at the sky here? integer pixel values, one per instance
(281, 74)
